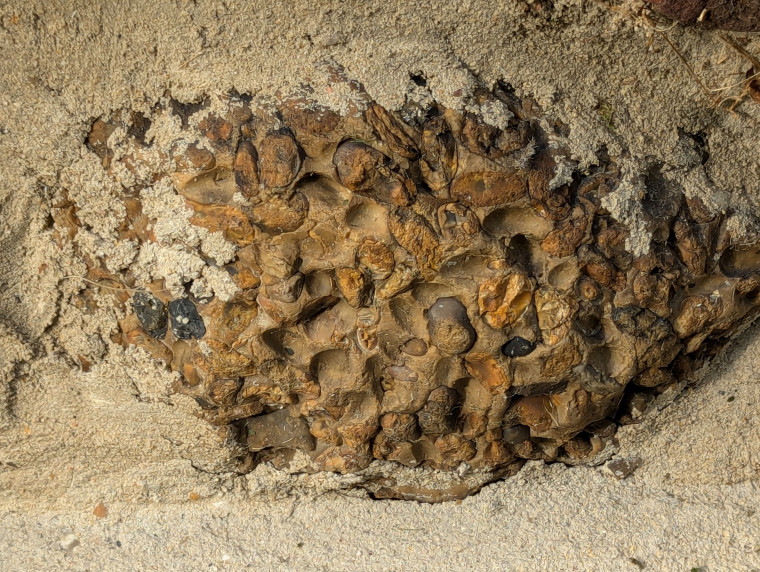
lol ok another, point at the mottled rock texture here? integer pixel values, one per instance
(430, 286)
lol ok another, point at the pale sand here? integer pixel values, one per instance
(116, 435)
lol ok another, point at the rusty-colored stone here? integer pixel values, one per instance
(488, 188)
(279, 159)
(391, 131)
(230, 221)
(337, 314)
(247, 169)
(438, 164)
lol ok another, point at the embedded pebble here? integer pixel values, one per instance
(518, 347)
(516, 434)
(151, 312)
(186, 321)
(449, 327)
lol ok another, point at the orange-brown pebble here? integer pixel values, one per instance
(100, 510)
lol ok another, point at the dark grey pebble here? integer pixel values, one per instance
(516, 435)
(517, 347)
(186, 321)
(151, 312)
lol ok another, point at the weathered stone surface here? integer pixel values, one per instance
(489, 188)
(439, 155)
(279, 429)
(279, 159)
(425, 294)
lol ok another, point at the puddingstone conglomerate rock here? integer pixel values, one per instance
(421, 290)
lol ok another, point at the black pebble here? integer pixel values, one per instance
(517, 347)
(186, 321)
(151, 312)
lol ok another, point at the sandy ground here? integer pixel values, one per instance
(71, 439)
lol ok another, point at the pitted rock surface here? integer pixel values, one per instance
(418, 290)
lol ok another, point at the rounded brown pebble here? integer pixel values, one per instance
(364, 169)
(279, 159)
(488, 188)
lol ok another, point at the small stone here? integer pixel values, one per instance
(449, 327)
(695, 312)
(399, 281)
(230, 221)
(363, 169)
(377, 257)
(497, 454)
(415, 347)
(357, 165)
(484, 139)
(193, 159)
(278, 214)
(416, 236)
(345, 459)
(454, 449)
(151, 312)
(100, 510)
(69, 543)
(567, 235)
(224, 391)
(215, 128)
(518, 347)
(279, 159)
(97, 140)
(186, 321)
(503, 299)
(459, 225)
(439, 154)
(488, 188)
(206, 190)
(391, 131)
(516, 434)
(402, 373)
(488, 370)
(622, 468)
(474, 424)
(287, 291)
(153, 346)
(555, 314)
(354, 285)
(247, 170)
(279, 429)
(437, 416)
(400, 426)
